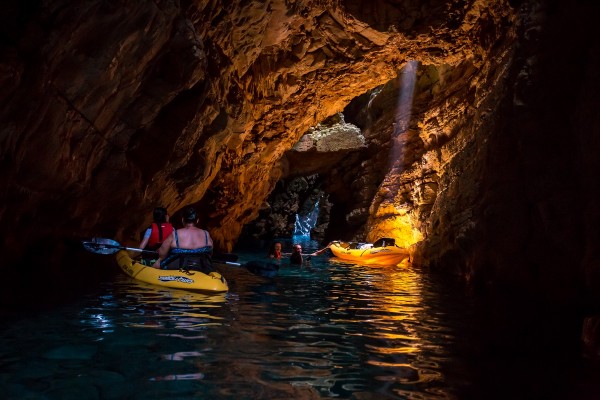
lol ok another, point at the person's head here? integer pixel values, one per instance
(190, 216)
(297, 248)
(275, 249)
(160, 215)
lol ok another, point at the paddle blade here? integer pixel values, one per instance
(102, 246)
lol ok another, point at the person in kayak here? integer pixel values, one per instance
(188, 248)
(157, 232)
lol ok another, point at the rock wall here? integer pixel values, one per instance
(112, 108)
(514, 207)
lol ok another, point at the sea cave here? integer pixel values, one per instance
(467, 130)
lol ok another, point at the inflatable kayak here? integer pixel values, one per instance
(188, 280)
(382, 252)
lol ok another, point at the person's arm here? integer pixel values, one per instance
(144, 241)
(163, 251)
(316, 253)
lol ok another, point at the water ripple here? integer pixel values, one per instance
(337, 330)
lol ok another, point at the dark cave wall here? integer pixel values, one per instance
(572, 114)
(278, 215)
(538, 213)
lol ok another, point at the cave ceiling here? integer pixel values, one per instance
(112, 108)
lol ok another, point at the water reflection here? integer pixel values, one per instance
(148, 306)
(340, 330)
(334, 330)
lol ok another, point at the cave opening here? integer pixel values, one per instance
(341, 163)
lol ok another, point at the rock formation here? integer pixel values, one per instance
(111, 109)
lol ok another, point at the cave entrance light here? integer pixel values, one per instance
(392, 220)
(304, 223)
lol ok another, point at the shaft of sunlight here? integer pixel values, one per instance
(403, 112)
(392, 217)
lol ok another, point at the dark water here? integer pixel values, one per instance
(331, 330)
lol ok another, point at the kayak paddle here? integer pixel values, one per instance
(109, 246)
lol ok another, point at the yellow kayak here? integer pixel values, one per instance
(192, 280)
(369, 254)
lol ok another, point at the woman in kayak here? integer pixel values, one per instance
(188, 248)
(157, 232)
